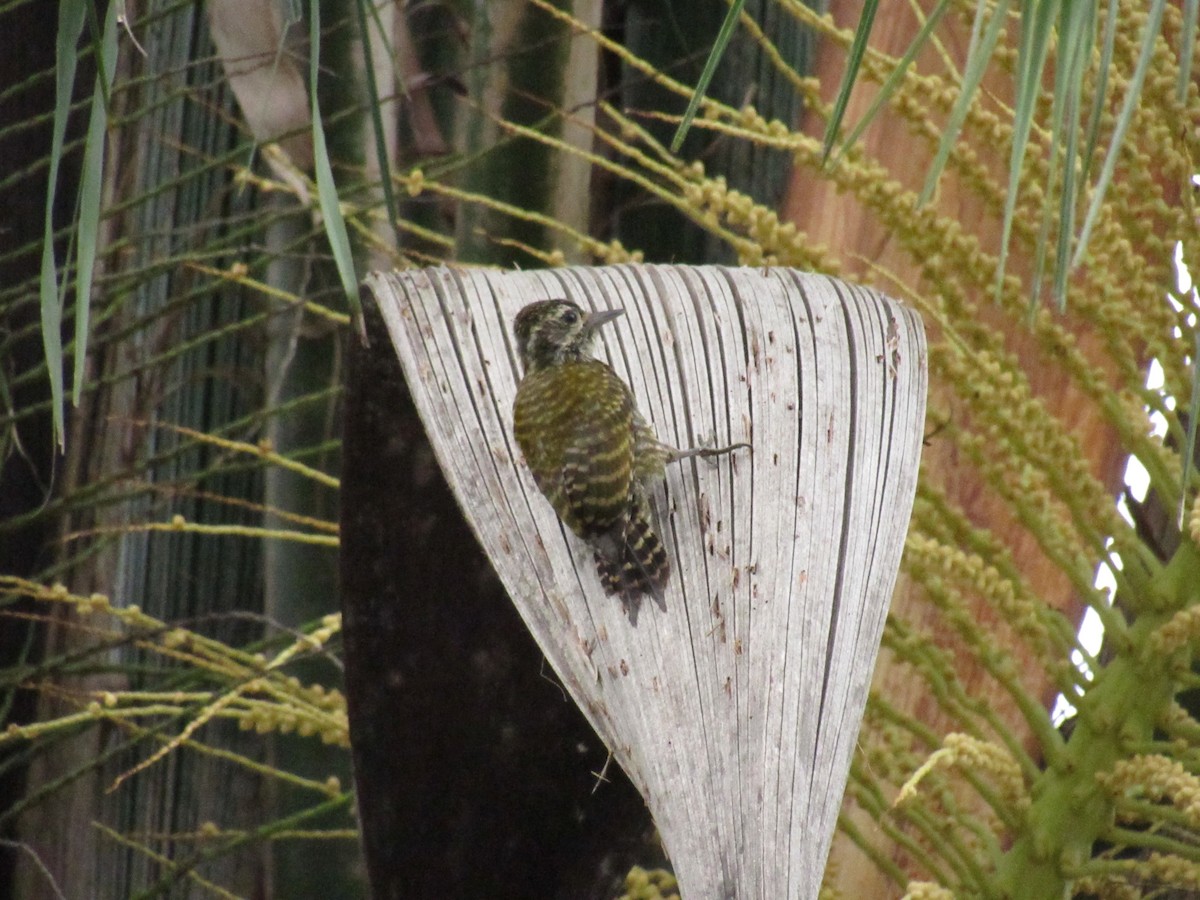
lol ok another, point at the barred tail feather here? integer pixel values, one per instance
(634, 562)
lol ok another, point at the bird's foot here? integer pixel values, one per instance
(707, 452)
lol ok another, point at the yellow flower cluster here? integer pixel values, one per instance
(1134, 879)
(927, 890)
(767, 240)
(969, 573)
(1156, 778)
(980, 758)
(650, 884)
(1169, 870)
(258, 695)
(1180, 630)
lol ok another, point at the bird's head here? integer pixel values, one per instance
(551, 332)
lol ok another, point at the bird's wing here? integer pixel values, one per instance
(598, 450)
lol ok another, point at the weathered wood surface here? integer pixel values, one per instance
(736, 710)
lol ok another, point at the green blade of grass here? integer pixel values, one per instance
(893, 81)
(1149, 33)
(71, 14)
(1078, 38)
(714, 58)
(859, 47)
(1052, 166)
(973, 74)
(375, 105)
(1037, 24)
(91, 183)
(976, 27)
(1189, 451)
(331, 210)
(1106, 55)
(1187, 43)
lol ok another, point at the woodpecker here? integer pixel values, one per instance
(591, 453)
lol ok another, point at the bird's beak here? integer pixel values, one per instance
(596, 319)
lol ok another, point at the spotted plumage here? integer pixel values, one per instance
(589, 450)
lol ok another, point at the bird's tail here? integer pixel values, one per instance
(634, 561)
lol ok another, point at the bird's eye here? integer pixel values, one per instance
(570, 316)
